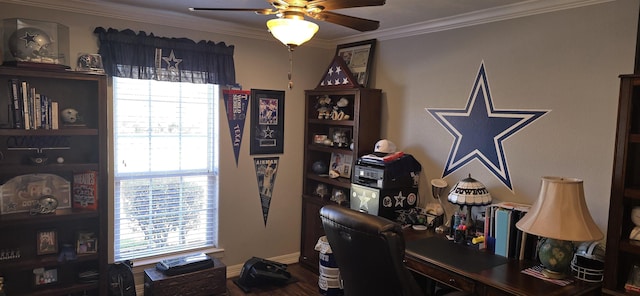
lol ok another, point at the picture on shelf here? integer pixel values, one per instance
(47, 242)
(21, 193)
(87, 243)
(341, 137)
(341, 163)
(44, 276)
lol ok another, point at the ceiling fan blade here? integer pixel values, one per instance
(352, 22)
(256, 10)
(338, 4)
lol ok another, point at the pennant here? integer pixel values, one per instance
(236, 103)
(266, 169)
(338, 75)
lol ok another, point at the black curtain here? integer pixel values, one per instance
(141, 56)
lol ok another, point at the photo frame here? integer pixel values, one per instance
(45, 276)
(341, 163)
(359, 58)
(340, 137)
(87, 243)
(267, 122)
(47, 242)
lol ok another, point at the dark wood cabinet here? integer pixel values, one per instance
(83, 150)
(623, 253)
(352, 117)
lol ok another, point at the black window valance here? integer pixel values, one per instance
(141, 56)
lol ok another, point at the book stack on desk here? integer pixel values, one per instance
(500, 227)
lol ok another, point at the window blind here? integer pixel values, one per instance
(165, 153)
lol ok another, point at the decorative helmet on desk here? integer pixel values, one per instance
(588, 262)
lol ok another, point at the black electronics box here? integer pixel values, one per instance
(399, 173)
(383, 202)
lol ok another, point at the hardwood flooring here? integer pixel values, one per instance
(306, 285)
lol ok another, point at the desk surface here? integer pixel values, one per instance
(479, 272)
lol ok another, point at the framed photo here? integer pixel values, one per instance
(47, 242)
(42, 276)
(22, 192)
(87, 243)
(341, 163)
(340, 137)
(267, 121)
(359, 58)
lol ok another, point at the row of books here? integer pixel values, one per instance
(500, 228)
(30, 109)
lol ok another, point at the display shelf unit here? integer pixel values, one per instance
(85, 150)
(623, 253)
(363, 129)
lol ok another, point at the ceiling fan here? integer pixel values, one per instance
(291, 28)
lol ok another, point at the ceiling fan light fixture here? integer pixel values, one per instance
(292, 32)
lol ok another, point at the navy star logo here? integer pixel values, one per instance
(268, 132)
(479, 130)
(172, 62)
(29, 38)
(399, 200)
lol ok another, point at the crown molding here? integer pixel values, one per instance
(190, 22)
(516, 10)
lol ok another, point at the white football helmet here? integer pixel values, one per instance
(588, 262)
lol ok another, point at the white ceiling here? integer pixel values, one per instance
(397, 18)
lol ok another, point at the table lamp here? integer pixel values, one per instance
(560, 216)
(438, 187)
(469, 192)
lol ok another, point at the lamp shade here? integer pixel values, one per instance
(561, 212)
(292, 32)
(469, 191)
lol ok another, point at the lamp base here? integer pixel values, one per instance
(555, 256)
(554, 274)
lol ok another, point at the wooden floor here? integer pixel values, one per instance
(306, 285)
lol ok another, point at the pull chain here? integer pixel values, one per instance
(290, 85)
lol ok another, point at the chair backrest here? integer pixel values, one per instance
(369, 251)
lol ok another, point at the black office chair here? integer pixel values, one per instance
(369, 251)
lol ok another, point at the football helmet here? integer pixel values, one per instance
(31, 44)
(588, 262)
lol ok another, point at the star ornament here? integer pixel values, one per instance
(479, 130)
(172, 62)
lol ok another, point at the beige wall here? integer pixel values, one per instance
(261, 65)
(565, 61)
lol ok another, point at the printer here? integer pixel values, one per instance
(384, 184)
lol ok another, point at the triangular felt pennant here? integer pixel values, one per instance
(236, 103)
(338, 75)
(266, 169)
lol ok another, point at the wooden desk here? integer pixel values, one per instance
(485, 275)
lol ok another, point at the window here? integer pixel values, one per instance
(166, 175)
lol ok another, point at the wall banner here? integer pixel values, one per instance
(266, 168)
(236, 103)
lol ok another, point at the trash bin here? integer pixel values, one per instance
(329, 281)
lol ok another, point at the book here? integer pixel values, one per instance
(54, 115)
(503, 231)
(24, 90)
(85, 190)
(14, 94)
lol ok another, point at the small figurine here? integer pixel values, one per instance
(69, 115)
(324, 107)
(338, 112)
